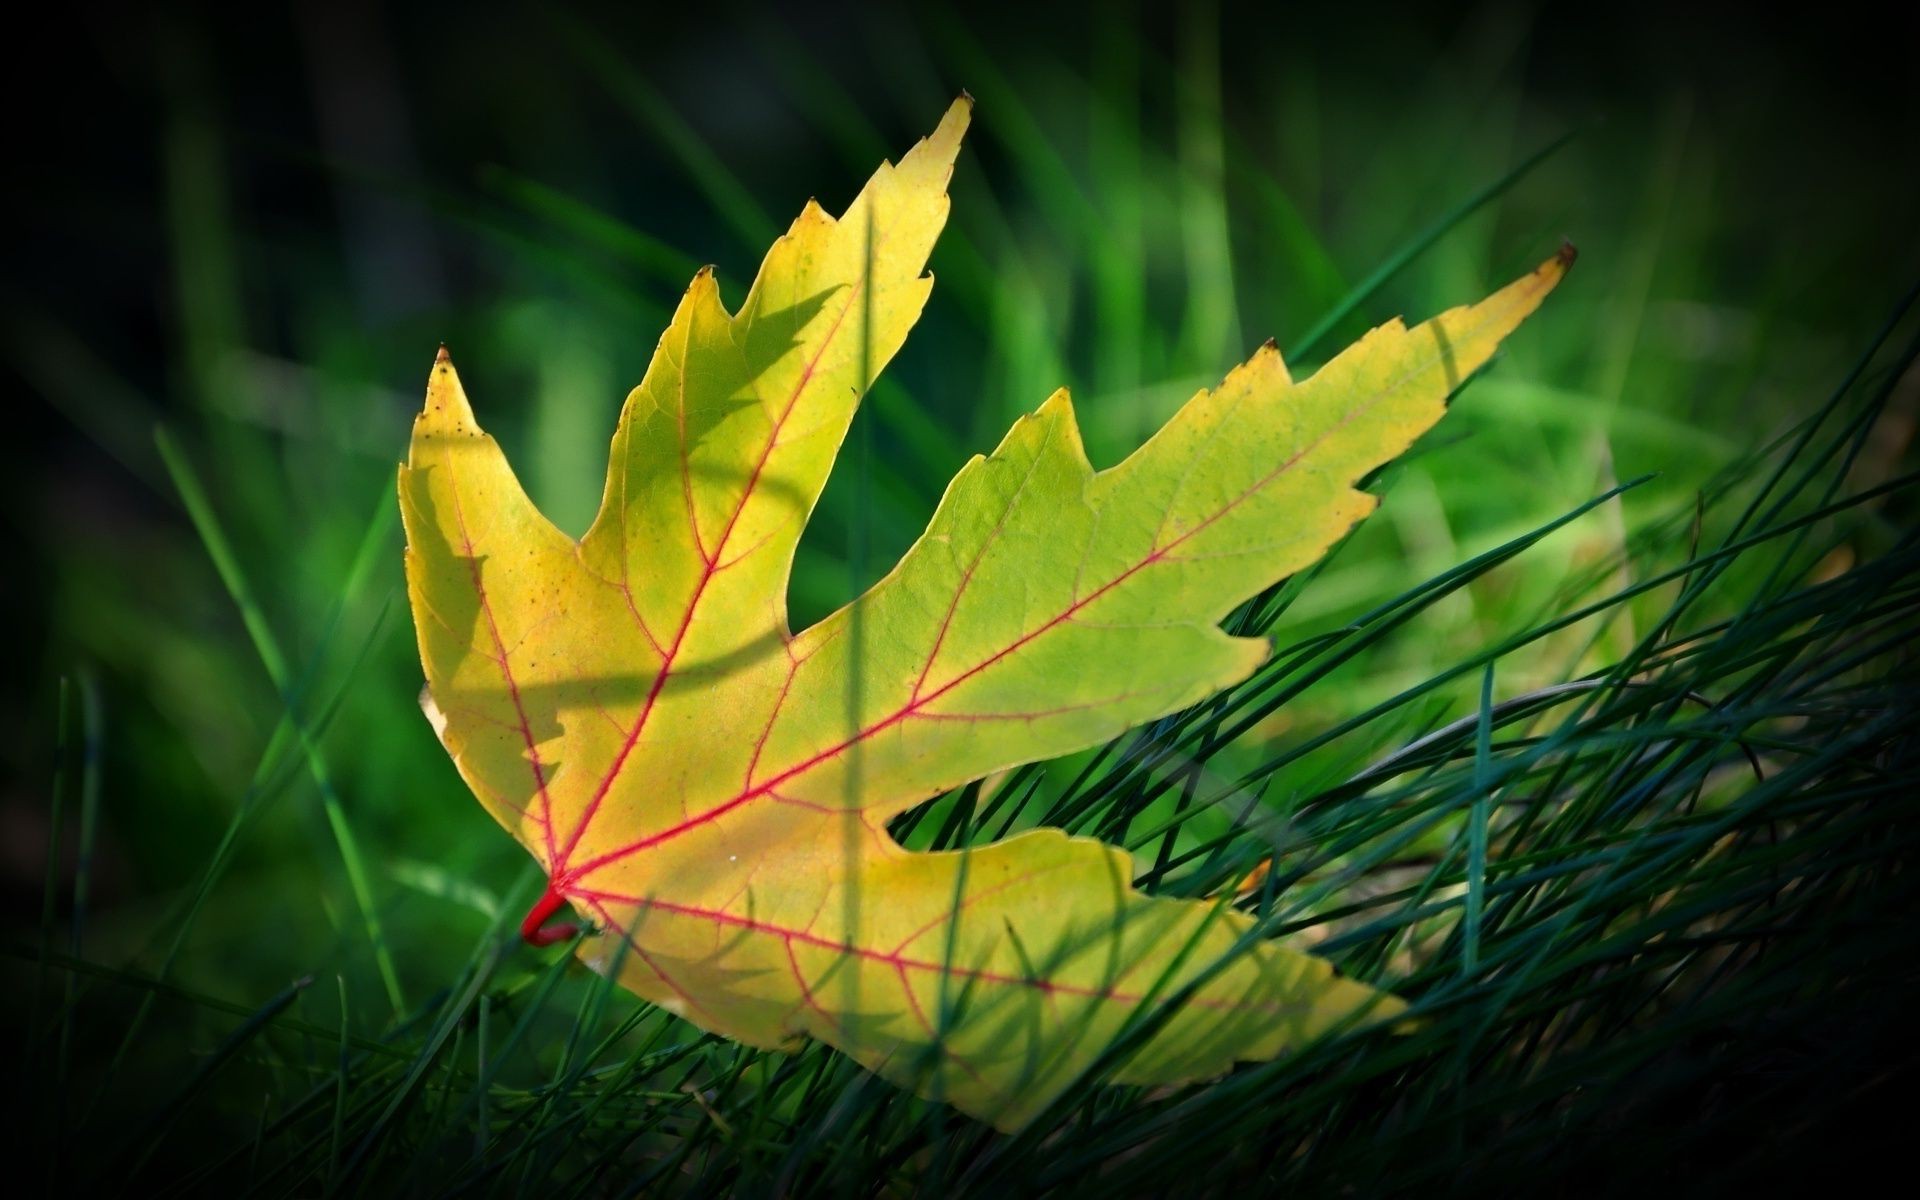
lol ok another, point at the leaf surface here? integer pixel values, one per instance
(712, 790)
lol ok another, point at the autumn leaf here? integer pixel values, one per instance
(711, 791)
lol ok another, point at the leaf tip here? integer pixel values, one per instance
(1567, 255)
(952, 125)
(703, 292)
(1059, 402)
(446, 408)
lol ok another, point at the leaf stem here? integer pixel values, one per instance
(535, 931)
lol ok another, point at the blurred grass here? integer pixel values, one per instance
(285, 215)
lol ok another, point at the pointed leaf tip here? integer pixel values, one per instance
(446, 407)
(953, 124)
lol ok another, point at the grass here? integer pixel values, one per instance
(1595, 743)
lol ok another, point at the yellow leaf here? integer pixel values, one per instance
(711, 790)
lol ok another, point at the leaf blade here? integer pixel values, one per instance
(633, 707)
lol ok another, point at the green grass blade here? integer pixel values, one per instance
(206, 524)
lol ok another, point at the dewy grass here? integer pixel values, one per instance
(1665, 941)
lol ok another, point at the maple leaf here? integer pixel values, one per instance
(712, 791)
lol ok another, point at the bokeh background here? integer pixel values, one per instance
(238, 236)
